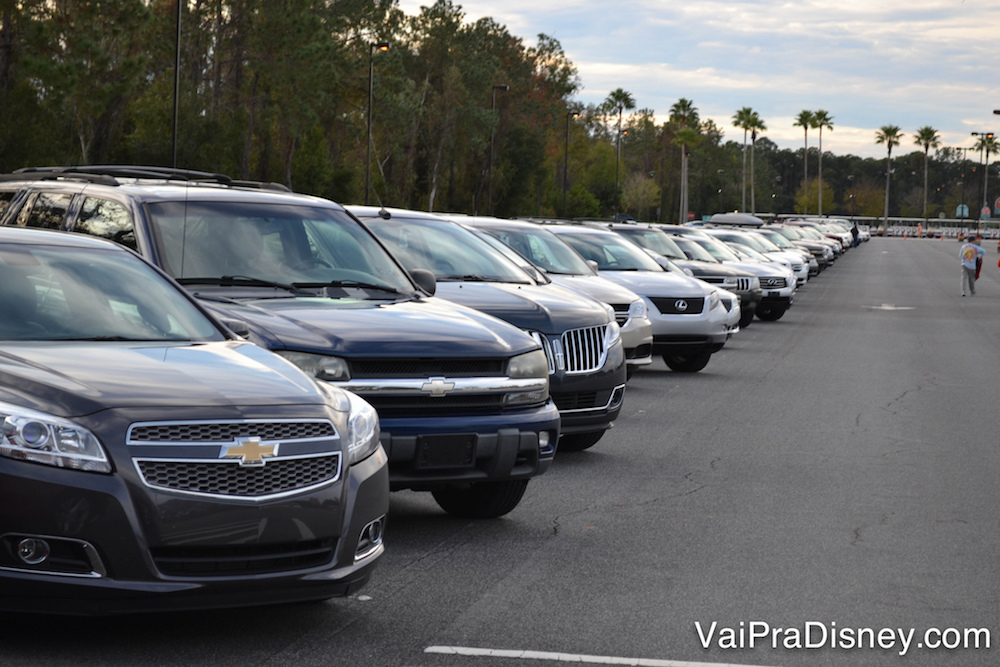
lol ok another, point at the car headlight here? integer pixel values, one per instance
(612, 333)
(529, 365)
(38, 437)
(637, 308)
(320, 366)
(362, 429)
(713, 300)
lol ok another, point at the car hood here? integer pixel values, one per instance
(361, 327)
(659, 283)
(700, 269)
(75, 379)
(550, 309)
(596, 287)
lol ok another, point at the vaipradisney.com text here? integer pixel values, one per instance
(820, 635)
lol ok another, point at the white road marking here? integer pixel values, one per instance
(570, 657)
(890, 306)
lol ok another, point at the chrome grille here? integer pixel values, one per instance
(230, 479)
(183, 432)
(744, 284)
(430, 367)
(621, 313)
(584, 349)
(773, 282)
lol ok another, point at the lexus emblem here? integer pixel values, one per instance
(437, 386)
(249, 451)
(681, 305)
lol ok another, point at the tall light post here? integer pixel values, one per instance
(177, 85)
(986, 138)
(569, 114)
(618, 155)
(381, 46)
(502, 87)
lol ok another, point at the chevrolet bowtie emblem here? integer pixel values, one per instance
(437, 386)
(249, 451)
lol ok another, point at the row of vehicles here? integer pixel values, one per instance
(222, 423)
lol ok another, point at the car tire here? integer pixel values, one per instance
(746, 318)
(687, 363)
(630, 371)
(577, 442)
(480, 500)
(770, 313)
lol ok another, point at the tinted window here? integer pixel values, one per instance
(107, 219)
(5, 198)
(545, 249)
(63, 293)
(44, 209)
(611, 251)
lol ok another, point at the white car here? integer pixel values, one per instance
(691, 319)
(796, 260)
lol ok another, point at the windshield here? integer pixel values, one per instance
(777, 239)
(718, 250)
(694, 251)
(273, 244)
(611, 251)
(655, 240)
(746, 252)
(65, 293)
(448, 250)
(755, 242)
(790, 233)
(544, 249)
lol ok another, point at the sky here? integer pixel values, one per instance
(868, 63)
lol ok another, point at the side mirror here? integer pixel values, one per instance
(688, 271)
(592, 264)
(238, 327)
(662, 261)
(425, 280)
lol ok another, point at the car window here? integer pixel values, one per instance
(44, 209)
(276, 242)
(5, 199)
(611, 251)
(545, 249)
(66, 293)
(106, 219)
(655, 240)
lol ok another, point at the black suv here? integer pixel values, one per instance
(463, 397)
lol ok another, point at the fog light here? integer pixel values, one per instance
(375, 532)
(32, 551)
(543, 440)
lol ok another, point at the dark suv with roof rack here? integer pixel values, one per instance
(463, 397)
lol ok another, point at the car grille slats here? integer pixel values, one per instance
(397, 406)
(201, 468)
(679, 306)
(773, 282)
(229, 478)
(584, 349)
(423, 368)
(228, 560)
(228, 431)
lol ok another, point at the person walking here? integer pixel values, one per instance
(970, 254)
(855, 233)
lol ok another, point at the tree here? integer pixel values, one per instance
(742, 119)
(988, 143)
(890, 136)
(756, 124)
(619, 99)
(821, 119)
(805, 121)
(926, 137)
(684, 116)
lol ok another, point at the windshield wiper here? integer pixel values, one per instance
(107, 338)
(472, 278)
(349, 283)
(249, 281)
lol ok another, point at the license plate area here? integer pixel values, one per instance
(456, 450)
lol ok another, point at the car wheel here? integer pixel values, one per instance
(577, 442)
(770, 313)
(481, 500)
(630, 371)
(746, 318)
(689, 363)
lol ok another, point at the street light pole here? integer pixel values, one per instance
(177, 85)
(381, 46)
(618, 153)
(503, 87)
(569, 114)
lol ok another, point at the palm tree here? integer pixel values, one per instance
(805, 121)
(987, 142)
(821, 119)
(618, 99)
(743, 119)
(756, 125)
(928, 138)
(684, 115)
(890, 136)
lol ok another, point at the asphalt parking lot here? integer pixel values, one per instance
(829, 476)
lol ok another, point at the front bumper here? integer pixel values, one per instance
(112, 537)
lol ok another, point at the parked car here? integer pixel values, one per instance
(795, 259)
(776, 280)
(562, 265)
(742, 283)
(463, 397)
(587, 370)
(151, 460)
(690, 318)
(820, 252)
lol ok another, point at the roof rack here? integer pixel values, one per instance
(106, 174)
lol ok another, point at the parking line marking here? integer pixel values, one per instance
(571, 657)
